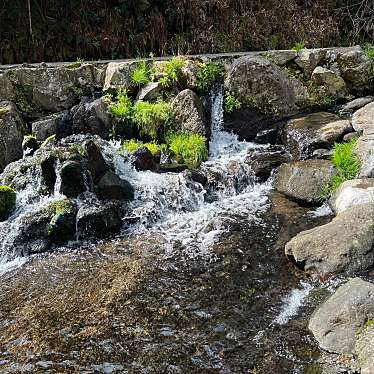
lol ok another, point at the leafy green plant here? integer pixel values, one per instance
(133, 145)
(150, 117)
(346, 163)
(122, 107)
(7, 201)
(142, 74)
(298, 46)
(231, 103)
(207, 75)
(188, 148)
(370, 53)
(171, 71)
(75, 65)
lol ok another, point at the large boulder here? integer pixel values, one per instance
(48, 126)
(364, 348)
(333, 83)
(355, 104)
(304, 134)
(309, 59)
(92, 118)
(353, 192)
(12, 131)
(95, 161)
(112, 187)
(189, 113)
(260, 84)
(72, 178)
(49, 89)
(304, 181)
(98, 220)
(363, 119)
(144, 159)
(364, 151)
(119, 75)
(339, 321)
(345, 245)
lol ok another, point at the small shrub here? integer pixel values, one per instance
(7, 201)
(188, 148)
(370, 53)
(122, 107)
(150, 117)
(346, 163)
(207, 75)
(171, 70)
(231, 103)
(133, 145)
(142, 74)
(299, 46)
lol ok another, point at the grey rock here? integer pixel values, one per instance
(304, 180)
(345, 245)
(350, 136)
(189, 113)
(356, 104)
(283, 96)
(364, 151)
(363, 119)
(47, 126)
(12, 131)
(150, 92)
(112, 187)
(336, 323)
(364, 348)
(281, 58)
(119, 75)
(309, 59)
(333, 83)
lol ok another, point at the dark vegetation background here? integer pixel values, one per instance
(63, 30)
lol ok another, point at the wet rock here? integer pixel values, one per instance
(7, 201)
(268, 136)
(247, 123)
(304, 180)
(50, 89)
(112, 187)
(29, 145)
(345, 245)
(119, 75)
(352, 192)
(12, 131)
(263, 162)
(92, 118)
(189, 113)
(72, 179)
(195, 176)
(172, 168)
(48, 172)
(96, 162)
(324, 154)
(333, 83)
(337, 322)
(355, 104)
(309, 59)
(144, 159)
(150, 92)
(98, 221)
(350, 136)
(363, 119)
(247, 77)
(47, 126)
(303, 134)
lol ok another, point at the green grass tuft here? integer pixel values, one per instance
(75, 65)
(150, 117)
(188, 148)
(298, 46)
(207, 75)
(346, 163)
(142, 74)
(133, 145)
(231, 103)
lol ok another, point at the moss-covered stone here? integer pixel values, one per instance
(7, 201)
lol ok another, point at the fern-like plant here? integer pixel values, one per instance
(122, 107)
(231, 103)
(171, 71)
(142, 74)
(207, 75)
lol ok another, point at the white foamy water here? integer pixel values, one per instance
(292, 303)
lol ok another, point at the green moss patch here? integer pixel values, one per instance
(7, 201)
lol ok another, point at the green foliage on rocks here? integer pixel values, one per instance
(171, 71)
(75, 65)
(7, 201)
(133, 145)
(122, 106)
(231, 103)
(346, 163)
(370, 53)
(188, 148)
(150, 117)
(142, 74)
(207, 75)
(298, 46)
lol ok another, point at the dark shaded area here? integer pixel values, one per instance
(110, 29)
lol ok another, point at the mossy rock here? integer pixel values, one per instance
(7, 201)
